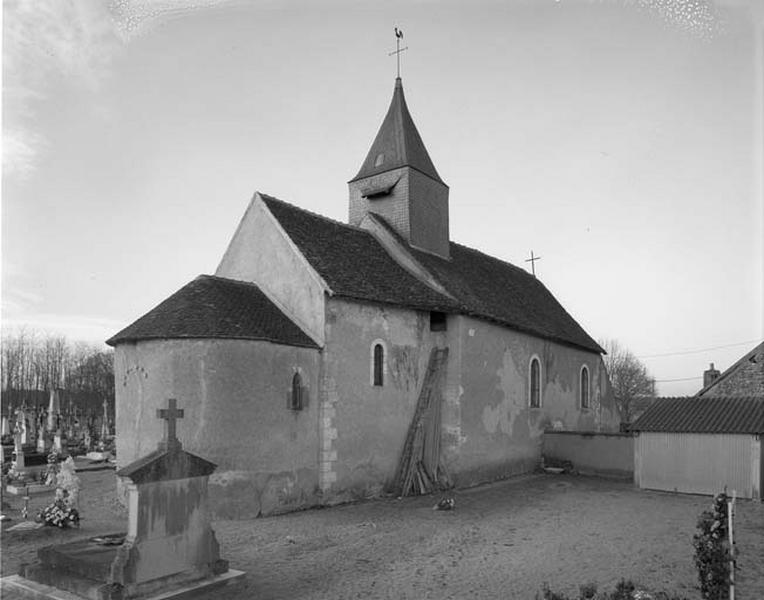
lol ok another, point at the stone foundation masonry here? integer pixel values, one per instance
(327, 434)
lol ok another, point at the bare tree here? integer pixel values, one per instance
(633, 387)
(33, 364)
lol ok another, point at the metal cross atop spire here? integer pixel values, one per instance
(170, 414)
(533, 260)
(398, 49)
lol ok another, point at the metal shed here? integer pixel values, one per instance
(701, 445)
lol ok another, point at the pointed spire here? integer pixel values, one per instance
(398, 143)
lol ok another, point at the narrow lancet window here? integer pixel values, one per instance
(584, 387)
(535, 383)
(296, 397)
(379, 365)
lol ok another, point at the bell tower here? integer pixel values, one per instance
(398, 182)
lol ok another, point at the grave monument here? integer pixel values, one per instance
(169, 548)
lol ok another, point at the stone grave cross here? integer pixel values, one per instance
(170, 414)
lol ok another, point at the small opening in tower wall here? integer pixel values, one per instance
(380, 159)
(438, 321)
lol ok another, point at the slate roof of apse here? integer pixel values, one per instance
(709, 414)
(398, 141)
(355, 265)
(757, 352)
(215, 307)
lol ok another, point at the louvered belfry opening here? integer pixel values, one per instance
(398, 182)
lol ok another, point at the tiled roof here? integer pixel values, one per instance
(757, 352)
(398, 143)
(355, 265)
(352, 262)
(497, 290)
(708, 414)
(215, 307)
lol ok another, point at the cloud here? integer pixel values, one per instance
(74, 41)
(20, 151)
(45, 40)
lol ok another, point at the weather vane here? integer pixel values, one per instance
(398, 49)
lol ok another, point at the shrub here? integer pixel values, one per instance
(624, 590)
(712, 551)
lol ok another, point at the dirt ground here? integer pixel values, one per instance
(503, 540)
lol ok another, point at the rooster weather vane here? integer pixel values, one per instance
(398, 49)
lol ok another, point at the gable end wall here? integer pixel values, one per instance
(261, 252)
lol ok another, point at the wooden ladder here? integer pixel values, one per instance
(419, 467)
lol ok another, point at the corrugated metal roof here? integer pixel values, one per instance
(710, 414)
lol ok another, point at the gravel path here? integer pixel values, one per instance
(503, 540)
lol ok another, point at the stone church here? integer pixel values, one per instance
(301, 361)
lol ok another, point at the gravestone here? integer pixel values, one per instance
(18, 451)
(21, 425)
(105, 422)
(169, 548)
(54, 409)
(59, 443)
(43, 438)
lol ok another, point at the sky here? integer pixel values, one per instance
(619, 140)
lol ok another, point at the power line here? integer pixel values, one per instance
(680, 379)
(697, 351)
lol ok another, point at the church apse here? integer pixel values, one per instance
(232, 390)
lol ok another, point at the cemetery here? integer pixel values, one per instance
(505, 538)
(70, 531)
(169, 545)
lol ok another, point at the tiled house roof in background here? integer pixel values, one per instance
(726, 384)
(355, 265)
(398, 143)
(214, 307)
(703, 415)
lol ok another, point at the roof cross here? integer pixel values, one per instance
(533, 260)
(170, 414)
(398, 49)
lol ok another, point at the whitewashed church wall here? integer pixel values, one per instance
(489, 430)
(500, 434)
(367, 425)
(234, 394)
(260, 252)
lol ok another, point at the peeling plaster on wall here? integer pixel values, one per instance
(501, 417)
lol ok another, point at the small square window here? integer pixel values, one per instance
(438, 321)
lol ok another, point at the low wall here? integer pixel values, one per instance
(606, 454)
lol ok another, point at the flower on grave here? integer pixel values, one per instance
(59, 514)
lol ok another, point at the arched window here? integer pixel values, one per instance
(378, 365)
(296, 398)
(584, 387)
(535, 383)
